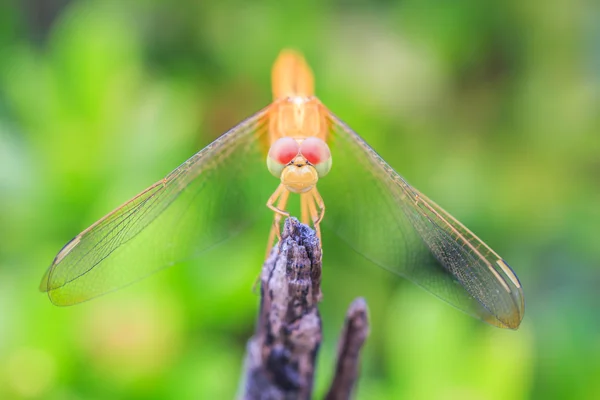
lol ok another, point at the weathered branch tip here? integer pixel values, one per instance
(280, 357)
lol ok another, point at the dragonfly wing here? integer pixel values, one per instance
(211, 196)
(392, 224)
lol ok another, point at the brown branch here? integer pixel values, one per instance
(280, 357)
(354, 334)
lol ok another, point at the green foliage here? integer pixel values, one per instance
(490, 108)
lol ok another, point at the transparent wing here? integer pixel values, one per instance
(391, 223)
(214, 194)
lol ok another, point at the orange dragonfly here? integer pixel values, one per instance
(371, 207)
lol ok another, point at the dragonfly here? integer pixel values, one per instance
(314, 155)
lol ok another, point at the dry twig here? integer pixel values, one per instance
(280, 357)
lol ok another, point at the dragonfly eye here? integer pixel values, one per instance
(317, 153)
(281, 153)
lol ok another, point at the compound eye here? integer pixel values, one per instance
(281, 153)
(317, 153)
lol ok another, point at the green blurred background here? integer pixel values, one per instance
(490, 108)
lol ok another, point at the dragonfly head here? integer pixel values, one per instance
(299, 163)
(299, 176)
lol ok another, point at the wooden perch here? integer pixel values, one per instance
(280, 357)
(354, 334)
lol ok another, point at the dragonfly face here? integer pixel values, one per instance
(299, 163)
(286, 162)
(369, 206)
(299, 176)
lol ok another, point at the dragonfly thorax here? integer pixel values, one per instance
(298, 117)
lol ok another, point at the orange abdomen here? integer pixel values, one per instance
(291, 76)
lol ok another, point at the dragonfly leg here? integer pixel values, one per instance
(280, 196)
(304, 199)
(282, 213)
(316, 215)
(279, 193)
(320, 203)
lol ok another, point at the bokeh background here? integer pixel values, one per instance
(490, 108)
